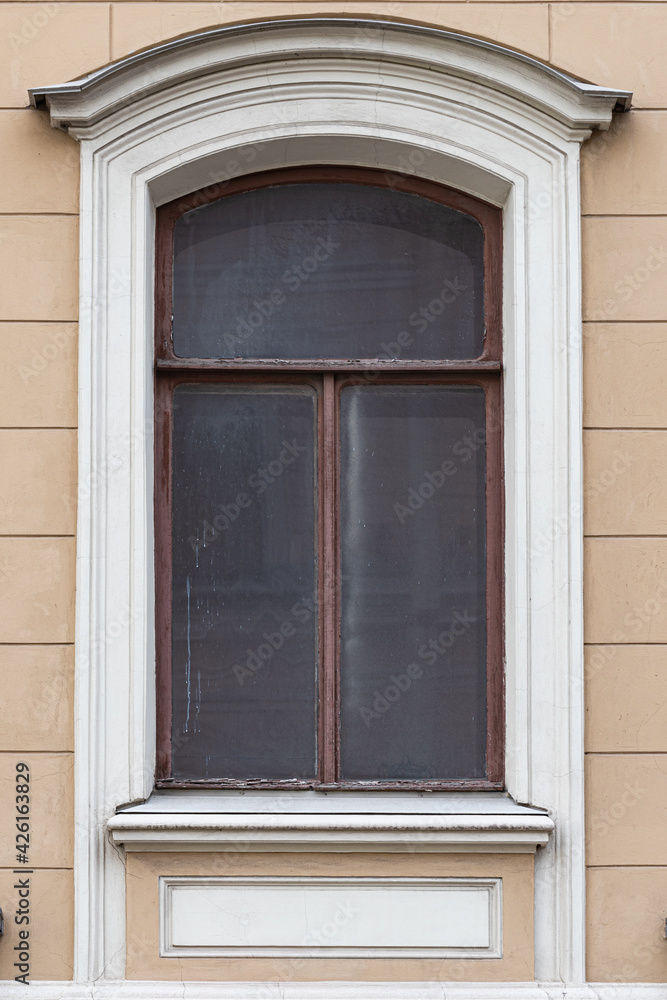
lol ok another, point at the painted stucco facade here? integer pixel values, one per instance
(624, 251)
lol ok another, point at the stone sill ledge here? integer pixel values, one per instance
(486, 822)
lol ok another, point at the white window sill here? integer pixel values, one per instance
(331, 821)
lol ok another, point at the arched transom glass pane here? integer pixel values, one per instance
(328, 270)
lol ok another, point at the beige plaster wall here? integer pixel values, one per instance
(625, 309)
(625, 367)
(38, 348)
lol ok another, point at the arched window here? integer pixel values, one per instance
(397, 99)
(329, 484)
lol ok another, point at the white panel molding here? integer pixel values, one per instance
(328, 917)
(402, 99)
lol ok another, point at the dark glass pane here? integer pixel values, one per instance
(328, 270)
(244, 629)
(413, 649)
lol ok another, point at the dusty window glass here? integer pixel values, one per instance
(244, 628)
(327, 270)
(413, 582)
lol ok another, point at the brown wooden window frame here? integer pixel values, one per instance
(329, 376)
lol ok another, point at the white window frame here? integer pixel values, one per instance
(188, 114)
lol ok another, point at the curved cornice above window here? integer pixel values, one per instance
(333, 50)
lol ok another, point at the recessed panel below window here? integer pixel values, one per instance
(345, 917)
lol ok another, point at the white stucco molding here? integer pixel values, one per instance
(258, 821)
(398, 98)
(340, 990)
(91, 99)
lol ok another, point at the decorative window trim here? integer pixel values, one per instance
(404, 99)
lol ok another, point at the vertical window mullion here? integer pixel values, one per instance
(163, 569)
(495, 555)
(329, 595)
